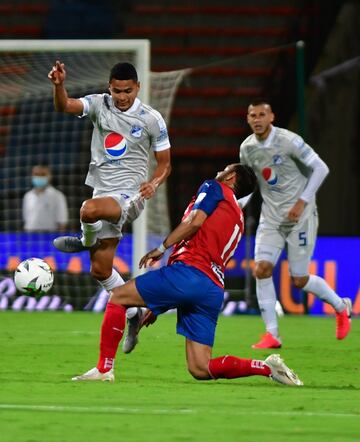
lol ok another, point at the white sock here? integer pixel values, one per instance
(114, 280)
(266, 296)
(132, 311)
(89, 233)
(322, 290)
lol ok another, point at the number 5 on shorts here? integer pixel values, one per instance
(302, 239)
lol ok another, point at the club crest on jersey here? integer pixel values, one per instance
(269, 176)
(277, 159)
(115, 144)
(136, 131)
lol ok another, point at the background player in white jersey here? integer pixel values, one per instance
(125, 130)
(289, 173)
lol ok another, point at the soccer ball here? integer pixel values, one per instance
(33, 277)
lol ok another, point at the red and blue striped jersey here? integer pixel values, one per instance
(215, 242)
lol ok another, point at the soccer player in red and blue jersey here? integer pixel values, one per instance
(193, 283)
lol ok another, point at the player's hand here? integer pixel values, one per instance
(148, 319)
(150, 258)
(57, 74)
(147, 190)
(296, 211)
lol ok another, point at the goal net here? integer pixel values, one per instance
(32, 133)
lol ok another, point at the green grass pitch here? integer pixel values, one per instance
(155, 399)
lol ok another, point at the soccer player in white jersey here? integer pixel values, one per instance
(125, 131)
(289, 173)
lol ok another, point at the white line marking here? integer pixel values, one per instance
(109, 410)
(123, 410)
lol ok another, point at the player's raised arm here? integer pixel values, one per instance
(62, 102)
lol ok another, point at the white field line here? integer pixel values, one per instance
(156, 411)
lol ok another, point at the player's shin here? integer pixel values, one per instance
(112, 331)
(230, 367)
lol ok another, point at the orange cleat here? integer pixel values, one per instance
(267, 341)
(343, 320)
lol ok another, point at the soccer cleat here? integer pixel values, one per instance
(72, 244)
(133, 327)
(267, 341)
(95, 375)
(343, 320)
(280, 372)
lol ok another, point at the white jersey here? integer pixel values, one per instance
(281, 164)
(121, 142)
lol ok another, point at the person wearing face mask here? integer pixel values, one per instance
(44, 208)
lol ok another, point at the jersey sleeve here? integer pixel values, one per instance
(302, 151)
(159, 135)
(208, 197)
(91, 104)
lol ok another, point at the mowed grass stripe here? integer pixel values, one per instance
(129, 410)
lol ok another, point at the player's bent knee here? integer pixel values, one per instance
(201, 373)
(89, 212)
(263, 270)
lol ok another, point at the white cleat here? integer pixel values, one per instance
(133, 327)
(95, 375)
(280, 372)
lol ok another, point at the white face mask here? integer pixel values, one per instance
(40, 181)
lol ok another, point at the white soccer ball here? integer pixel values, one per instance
(33, 277)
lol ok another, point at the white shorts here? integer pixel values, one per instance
(299, 240)
(129, 212)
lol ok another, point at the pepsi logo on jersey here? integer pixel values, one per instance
(269, 176)
(115, 144)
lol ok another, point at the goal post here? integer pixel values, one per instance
(23, 70)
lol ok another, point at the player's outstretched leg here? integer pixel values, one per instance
(134, 316)
(231, 367)
(343, 320)
(280, 372)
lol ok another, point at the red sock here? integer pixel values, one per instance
(230, 367)
(112, 330)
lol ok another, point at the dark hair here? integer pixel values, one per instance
(42, 164)
(259, 100)
(246, 180)
(123, 71)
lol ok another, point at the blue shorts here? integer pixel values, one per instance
(196, 297)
